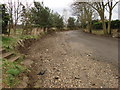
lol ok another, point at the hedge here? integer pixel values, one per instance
(115, 24)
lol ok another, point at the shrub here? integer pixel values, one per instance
(97, 25)
(115, 24)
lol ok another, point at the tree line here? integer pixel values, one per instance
(14, 13)
(30, 16)
(86, 12)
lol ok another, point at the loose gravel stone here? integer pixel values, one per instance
(68, 67)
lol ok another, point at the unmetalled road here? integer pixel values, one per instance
(73, 59)
(102, 48)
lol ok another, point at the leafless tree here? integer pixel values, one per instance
(10, 10)
(100, 8)
(85, 14)
(15, 9)
(17, 13)
(111, 5)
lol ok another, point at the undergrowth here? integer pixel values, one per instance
(8, 42)
(11, 71)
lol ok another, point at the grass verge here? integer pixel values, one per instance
(11, 71)
(98, 32)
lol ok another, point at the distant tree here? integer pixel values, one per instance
(111, 4)
(10, 11)
(5, 18)
(15, 9)
(61, 23)
(41, 15)
(45, 18)
(99, 7)
(57, 20)
(26, 19)
(71, 23)
(85, 14)
(77, 23)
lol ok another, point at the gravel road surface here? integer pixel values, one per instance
(73, 59)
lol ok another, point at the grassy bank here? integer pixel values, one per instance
(98, 32)
(101, 32)
(12, 70)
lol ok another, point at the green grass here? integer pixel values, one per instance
(98, 32)
(8, 42)
(11, 70)
(28, 37)
(101, 32)
(18, 32)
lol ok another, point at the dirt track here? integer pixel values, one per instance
(59, 63)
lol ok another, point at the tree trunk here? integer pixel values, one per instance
(104, 25)
(23, 28)
(9, 29)
(90, 28)
(15, 29)
(109, 24)
(109, 28)
(103, 22)
(44, 29)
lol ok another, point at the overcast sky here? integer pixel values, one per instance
(60, 5)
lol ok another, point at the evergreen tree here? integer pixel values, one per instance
(71, 23)
(5, 18)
